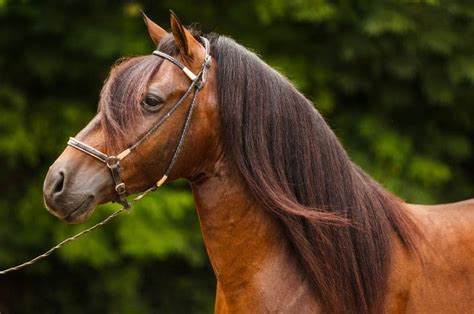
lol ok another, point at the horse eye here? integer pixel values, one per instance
(152, 102)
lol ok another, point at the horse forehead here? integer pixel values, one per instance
(169, 78)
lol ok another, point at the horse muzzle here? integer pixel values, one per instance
(71, 195)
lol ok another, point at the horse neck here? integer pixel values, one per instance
(248, 249)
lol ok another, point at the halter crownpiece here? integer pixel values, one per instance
(113, 162)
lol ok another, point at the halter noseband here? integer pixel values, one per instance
(113, 162)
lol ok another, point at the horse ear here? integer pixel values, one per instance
(156, 32)
(188, 46)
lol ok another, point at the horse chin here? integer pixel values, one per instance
(78, 215)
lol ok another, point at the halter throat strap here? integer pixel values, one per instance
(113, 162)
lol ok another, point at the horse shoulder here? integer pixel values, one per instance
(443, 279)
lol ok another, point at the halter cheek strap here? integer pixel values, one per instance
(113, 162)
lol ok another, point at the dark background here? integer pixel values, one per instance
(395, 79)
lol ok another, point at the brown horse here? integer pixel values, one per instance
(290, 223)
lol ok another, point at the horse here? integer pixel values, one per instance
(289, 222)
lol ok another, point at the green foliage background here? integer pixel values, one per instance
(395, 79)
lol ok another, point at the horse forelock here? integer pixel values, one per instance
(123, 92)
(121, 96)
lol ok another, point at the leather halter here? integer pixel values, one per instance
(113, 162)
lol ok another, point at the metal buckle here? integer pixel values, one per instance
(199, 84)
(207, 61)
(120, 188)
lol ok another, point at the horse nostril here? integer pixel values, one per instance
(59, 185)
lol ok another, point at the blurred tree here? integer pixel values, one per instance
(394, 78)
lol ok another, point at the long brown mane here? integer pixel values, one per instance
(338, 220)
(294, 165)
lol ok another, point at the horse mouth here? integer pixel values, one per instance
(81, 212)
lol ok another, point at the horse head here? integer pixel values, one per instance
(157, 114)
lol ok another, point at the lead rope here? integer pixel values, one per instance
(60, 244)
(74, 237)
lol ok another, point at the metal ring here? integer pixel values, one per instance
(112, 162)
(120, 188)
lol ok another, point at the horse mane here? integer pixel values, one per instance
(339, 221)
